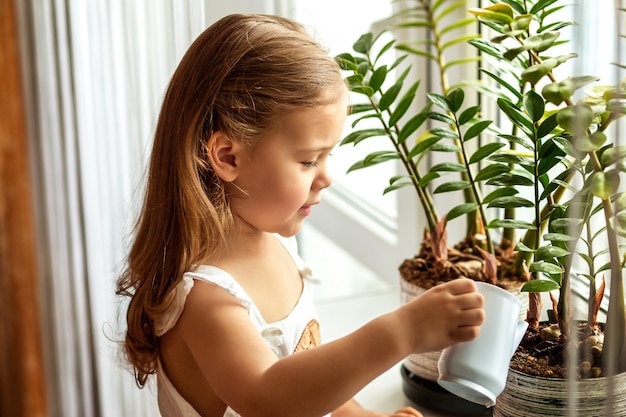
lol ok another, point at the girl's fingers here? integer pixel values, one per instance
(407, 412)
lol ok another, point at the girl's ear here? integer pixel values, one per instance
(223, 156)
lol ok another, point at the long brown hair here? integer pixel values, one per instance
(240, 76)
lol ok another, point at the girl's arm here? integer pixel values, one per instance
(246, 374)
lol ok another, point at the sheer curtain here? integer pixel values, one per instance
(95, 74)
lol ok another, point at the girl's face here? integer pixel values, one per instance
(283, 176)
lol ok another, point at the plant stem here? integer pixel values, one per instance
(469, 197)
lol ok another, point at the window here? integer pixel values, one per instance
(368, 227)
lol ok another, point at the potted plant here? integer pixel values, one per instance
(393, 107)
(549, 145)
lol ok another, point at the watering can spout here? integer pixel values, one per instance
(520, 331)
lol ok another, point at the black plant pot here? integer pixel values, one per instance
(429, 394)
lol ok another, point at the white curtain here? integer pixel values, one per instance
(95, 73)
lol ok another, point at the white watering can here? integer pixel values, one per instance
(477, 370)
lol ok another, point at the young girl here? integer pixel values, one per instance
(220, 307)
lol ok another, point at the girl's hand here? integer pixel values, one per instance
(354, 409)
(444, 315)
(406, 412)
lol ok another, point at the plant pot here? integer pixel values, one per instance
(420, 371)
(539, 396)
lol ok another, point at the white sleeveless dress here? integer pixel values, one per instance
(298, 331)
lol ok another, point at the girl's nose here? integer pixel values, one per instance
(324, 179)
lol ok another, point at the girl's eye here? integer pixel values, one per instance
(311, 164)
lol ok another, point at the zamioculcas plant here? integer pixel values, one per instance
(545, 169)
(564, 148)
(392, 105)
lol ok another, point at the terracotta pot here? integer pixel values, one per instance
(549, 396)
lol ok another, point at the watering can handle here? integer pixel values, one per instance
(520, 331)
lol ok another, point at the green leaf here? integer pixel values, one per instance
(516, 116)
(476, 129)
(605, 184)
(360, 108)
(355, 81)
(491, 171)
(346, 62)
(378, 78)
(511, 158)
(397, 186)
(452, 186)
(540, 285)
(500, 13)
(415, 51)
(546, 267)
(456, 97)
(384, 49)
(364, 43)
(534, 105)
(519, 140)
(448, 167)
(485, 151)
(499, 192)
(460, 62)
(488, 48)
(537, 43)
(565, 223)
(461, 210)
(547, 126)
(461, 23)
(468, 114)
(534, 73)
(440, 101)
(541, 5)
(428, 178)
(359, 135)
(504, 84)
(517, 5)
(390, 95)
(411, 126)
(440, 117)
(423, 145)
(363, 68)
(450, 9)
(590, 143)
(365, 117)
(363, 89)
(613, 155)
(460, 39)
(403, 105)
(511, 224)
(396, 178)
(511, 202)
(445, 147)
(549, 252)
(558, 92)
(555, 25)
(558, 237)
(398, 62)
(372, 159)
(549, 155)
(444, 132)
(521, 247)
(510, 180)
